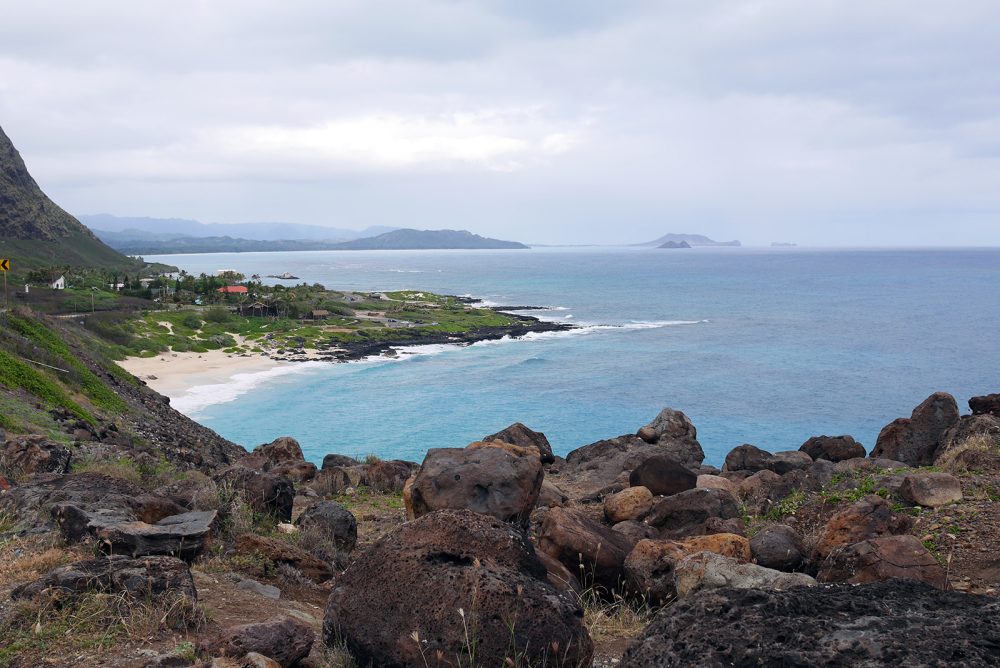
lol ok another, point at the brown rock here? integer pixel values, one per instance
(518, 434)
(280, 552)
(989, 403)
(650, 565)
(778, 546)
(634, 530)
(387, 476)
(629, 504)
(685, 513)
(331, 481)
(662, 475)
(283, 450)
(880, 559)
(296, 472)
(426, 588)
(931, 489)
(492, 478)
(870, 517)
(833, 448)
(747, 457)
(264, 492)
(717, 482)
(30, 454)
(281, 639)
(916, 440)
(584, 546)
(551, 496)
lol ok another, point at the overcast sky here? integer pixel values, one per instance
(833, 122)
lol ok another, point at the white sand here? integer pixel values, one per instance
(176, 374)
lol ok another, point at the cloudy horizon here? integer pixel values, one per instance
(824, 123)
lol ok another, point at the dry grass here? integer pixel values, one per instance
(619, 618)
(956, 460)
(28, 558)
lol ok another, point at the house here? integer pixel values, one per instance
(117, 287)
(57, 282)
(319, 314)
(233, 290)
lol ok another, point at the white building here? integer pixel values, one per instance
(57, 282)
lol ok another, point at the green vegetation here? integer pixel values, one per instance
(16, 374)
(787, 506)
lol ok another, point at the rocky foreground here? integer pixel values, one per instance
(630, 551)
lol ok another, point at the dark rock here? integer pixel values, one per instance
(584, 546)
(518, 434)
(677, 433)
(685, 513)
(31, 454)
(282, 639)
(485, 477)
(971, 427)
(867, 518)
(332, 460)
(634, 531)
(916, 440)
(789, 460)
(283, 450)
(833, 448)
(331, 481)
(649, 567)
(280, 552)
(296, 472)
(880, 559)
(550, 496)
(332, 521)
(778, 546)
(898, 622)
(748, 457)
(264, 492)
(421, 590)
(388, 476)
(184, 536)
(989, 403)
(662, 475)
(140, 578)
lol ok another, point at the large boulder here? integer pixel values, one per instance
(663, 475)
(282, 450)
(686, 514)
(279, 552)
(650, 564)
(387, 476)
(671, 425)
(282, 639)
(986, 404)
(585, 546)
(748, 457)
(184, 536)
(265, 492)
(931, 489)
(786, 461)
(833, 448)
(633, 503)
(518, 434)
(867, 518)
(154, 576)
(448, 584)
(332, 522)
(31, 454)
(708, 570)
(915, 440)
(880, 559)
(897, 622)
(331, 460)
(778, 546)
(485, 477)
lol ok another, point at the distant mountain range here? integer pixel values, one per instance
(35, 232)
(142, 242)
(690, 239)
(163, 229)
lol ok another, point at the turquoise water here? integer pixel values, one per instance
(763, 346)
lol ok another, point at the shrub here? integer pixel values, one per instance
(191, 321)
(217, 314)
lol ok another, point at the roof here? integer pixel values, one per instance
(233, 289)
(319, 312)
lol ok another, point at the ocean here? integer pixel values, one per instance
(763, 346)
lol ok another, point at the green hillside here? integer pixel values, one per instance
(35, 232)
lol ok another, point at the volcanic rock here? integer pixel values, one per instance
(916, 440)
(518, 434)
(585, 546)
(833, 448)
(880, 559)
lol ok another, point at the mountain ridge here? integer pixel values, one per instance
(692, 239)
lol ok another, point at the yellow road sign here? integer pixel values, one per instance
(4, 264)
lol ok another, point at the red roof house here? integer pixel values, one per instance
(233, 290)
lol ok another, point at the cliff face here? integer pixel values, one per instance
(35, 230)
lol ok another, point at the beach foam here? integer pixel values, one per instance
(199, 397)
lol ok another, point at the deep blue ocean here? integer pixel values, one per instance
(762, 346)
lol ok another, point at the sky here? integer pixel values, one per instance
(827, 122)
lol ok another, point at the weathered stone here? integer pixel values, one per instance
(283, 450)
(143, 578)
(683, 514)
(32, 501)
(585, 546)
(671, 425)
(280, 552)
(331, 481)
(917, 439)
(867, 518)
(989, 403)
(778, 546)
(707, 570)
(880, 559)
(550, 496)
(491, 480)
(634, 530)
(184, 536)
(931, 489)
(787, 461)
(333, 522)
(264, 492)
(334, 460)
(662, 475)
(387, 476)
(650, 565)
(833, 448)
(282, 639)
(265, 590)
(897, 622)
(518, 434)
(257, 660)
(424, 588)
(296, 471)
(747, 457)
(633, 503)
(31, 454)
(717, 482)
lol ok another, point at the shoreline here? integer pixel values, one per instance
(180, 375)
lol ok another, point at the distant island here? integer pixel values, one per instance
(782, 244)
(675, 244)
(407, 239)
(691, 239)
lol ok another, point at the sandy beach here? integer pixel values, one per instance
(176, 374)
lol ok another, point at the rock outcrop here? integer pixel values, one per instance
(833, 448)
(916, 440)
(437, 584)
(650, 565)
(988, 404)
(282, 639)
(870, 517)
(880, 559)
(708, 570)
(518, 434)
(29, 454)
(155, 576)
(685, 514)
(586, 547)
(897, 622)
(663, 475)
